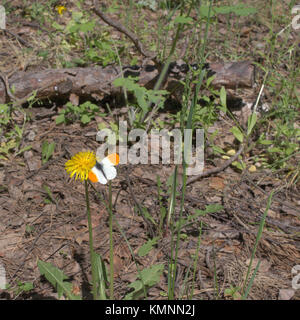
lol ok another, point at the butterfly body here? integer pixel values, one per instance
(105, 170)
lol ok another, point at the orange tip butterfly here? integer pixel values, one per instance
(105, 170)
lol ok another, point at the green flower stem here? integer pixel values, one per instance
(94, 270)
(111, 244)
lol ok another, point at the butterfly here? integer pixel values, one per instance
(105, 170)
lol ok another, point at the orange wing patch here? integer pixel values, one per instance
(93, 177)
(114, 158)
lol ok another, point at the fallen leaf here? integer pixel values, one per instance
(217, 183)
(74, 99)
(231, 152)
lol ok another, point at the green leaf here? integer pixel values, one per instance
(49, 193)
(56, 277)
(147, 247)
(101, 126)
(23, 150)
(4, 114)
(47, 150)
(85, 119)
(183, 20)
(223, 99)
(251, 122)
(223, 9)
(141, 99)
(26, 286)
(60, 119)
(147, 215)
(218, 149)
(237, 133)
(101, 276)
(243, 11)
(211, 208)
(274, 149)
(150, 277)
(265, 142)
(209, 80)
(240, 165)
(204, 11)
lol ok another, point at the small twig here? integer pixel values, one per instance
(125, 31)
(217, 170)
(22, 41)
(4, 78)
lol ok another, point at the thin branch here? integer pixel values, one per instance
(122, 29)
(218, 169)
(22, 41)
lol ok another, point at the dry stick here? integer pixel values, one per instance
(4, 78)
(22, 41)
(216, 170)
(122, 29)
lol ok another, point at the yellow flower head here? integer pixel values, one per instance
(81, 164)
(60, 9)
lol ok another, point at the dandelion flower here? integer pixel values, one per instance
(60, 9)
(81, 164)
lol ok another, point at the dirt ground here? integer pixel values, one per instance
(33, 226)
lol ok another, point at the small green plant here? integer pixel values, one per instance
(5, 115)
(21, 287)
(147, 278)
(233, 292)
(147, 247)
(71, 113)
(145, 97)
(24, 287)
(11, 141)
(58, 279)
(50, 197)
(80, 34)
(47, 150)
(280, 147)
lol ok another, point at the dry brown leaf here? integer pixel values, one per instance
(74, 99)
(217, 183)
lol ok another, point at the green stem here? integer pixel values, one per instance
(111, 244)
(94, 271)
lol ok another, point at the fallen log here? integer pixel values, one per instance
(96, 81)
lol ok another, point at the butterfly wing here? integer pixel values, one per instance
(96, 174)
(105, 170)
(108, 168)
